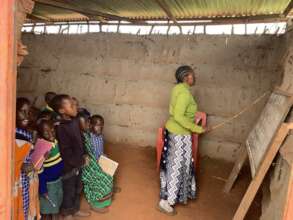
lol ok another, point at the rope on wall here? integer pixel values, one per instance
(247, 108)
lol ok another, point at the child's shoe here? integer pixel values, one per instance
(68, 217)
(55, 217)
(82, 214)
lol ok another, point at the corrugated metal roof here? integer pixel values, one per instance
(53, 13)
(155, 9)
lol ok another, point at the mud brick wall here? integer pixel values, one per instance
(128, 79)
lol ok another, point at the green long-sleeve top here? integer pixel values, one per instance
(182, 111)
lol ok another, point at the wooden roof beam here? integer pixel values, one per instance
(169, 14)
(212, 22)
(38, 18)
(237, 18)
(65, 6)
(288, 9)
(86, 12)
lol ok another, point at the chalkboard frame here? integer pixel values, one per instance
(263, 132)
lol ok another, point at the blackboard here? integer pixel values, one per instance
(261, 135)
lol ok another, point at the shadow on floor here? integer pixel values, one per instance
(138, 178)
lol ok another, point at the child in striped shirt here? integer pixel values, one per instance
(96, 135)
(51, 168)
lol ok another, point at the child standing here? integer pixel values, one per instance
(72, 151)
(97, 140)
(98, 185)
(81, 110)
(96, 135)
(49, 96)
(47, 159)
(23, 166)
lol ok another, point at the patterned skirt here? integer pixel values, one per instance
(177, 173)
(98, 185)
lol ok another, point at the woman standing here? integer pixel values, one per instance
(177, 173)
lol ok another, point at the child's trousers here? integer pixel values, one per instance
(72, 188)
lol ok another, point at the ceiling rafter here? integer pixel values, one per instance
(288, 9)
(38, 18)
(88, 13)
(168, 12)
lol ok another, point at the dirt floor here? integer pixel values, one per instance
(138, 178)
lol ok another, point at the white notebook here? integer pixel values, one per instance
(109, 166)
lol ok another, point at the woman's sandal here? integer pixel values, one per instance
(160, 209)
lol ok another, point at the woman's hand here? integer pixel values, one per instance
(207, 129)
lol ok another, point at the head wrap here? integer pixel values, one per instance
(181, 72)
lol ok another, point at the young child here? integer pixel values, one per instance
(33, 118)
(47, 159)
(96, 135)
(22, 178)
(81, 109)
(46, 116)
(72, 151)
(97, 140)
(98, 185)
(49, 96)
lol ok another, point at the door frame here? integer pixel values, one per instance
(7, 104)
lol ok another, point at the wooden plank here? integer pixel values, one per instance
(166, 9)
(279, 90)
(232, 20)
(288, 9)
(288, 211)
(286, 152)
(261, 172)
(236, 169)
(263, 132)
(182, 23)
(168, 12)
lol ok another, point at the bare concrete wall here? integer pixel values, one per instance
(128, 80)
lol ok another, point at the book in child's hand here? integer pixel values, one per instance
(108, 166)
(38, 156)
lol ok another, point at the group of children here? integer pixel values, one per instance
(56, 158)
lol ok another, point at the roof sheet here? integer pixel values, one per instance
(156, 9)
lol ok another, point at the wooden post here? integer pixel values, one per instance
(262, 170)
(288, 212)
(236, 169)
(7, 103)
